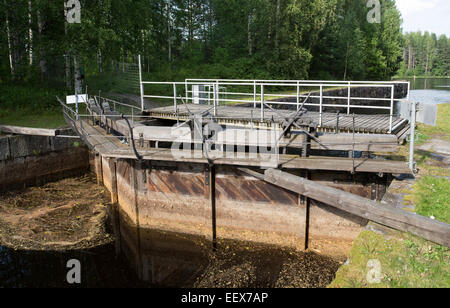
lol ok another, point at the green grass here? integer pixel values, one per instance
(30, 106)
(431, 196)
(27, 118)
(406, 262)
(441, 130)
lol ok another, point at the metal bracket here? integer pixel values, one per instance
(207, 175)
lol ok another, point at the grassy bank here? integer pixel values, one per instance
(406, 260)
(30, 106)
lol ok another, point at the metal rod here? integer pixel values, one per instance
(141, 86)
(175, 104)
(262, 102)
(254, 95)
(321, 105)
(353, 152)
(349, 97)
(412, 137)
(337, 123)
(392, 110)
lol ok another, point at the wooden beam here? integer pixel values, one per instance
(386, 215)
(28, 131)
(363, 143)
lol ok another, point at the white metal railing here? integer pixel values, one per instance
(260, 96)
(217, 93)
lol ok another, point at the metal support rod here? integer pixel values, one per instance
(262, 102)
(254, 94)
(392, 110)
(186, 87)
(412, 137)
(321, 105)
(141, 86)
(212, 192)
(218, 94)
(175, 104)
(337, 123)
(76, 102)
(308, 213)
(298, 96)
(215, 99)
(353, 152)
(349, 97)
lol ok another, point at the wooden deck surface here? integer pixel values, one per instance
(111, 147)
(374, 124)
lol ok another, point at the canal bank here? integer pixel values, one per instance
(407, 261)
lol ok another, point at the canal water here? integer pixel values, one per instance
(430, 90)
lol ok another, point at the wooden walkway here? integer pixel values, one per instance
(231, 115)
(111, 147)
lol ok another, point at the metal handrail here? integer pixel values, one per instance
(259, 94)
(259, 97)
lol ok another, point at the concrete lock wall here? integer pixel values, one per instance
(176, 197)
(33, 160)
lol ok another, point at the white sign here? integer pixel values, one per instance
(72, 99)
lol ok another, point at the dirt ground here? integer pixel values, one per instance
(64, 215)
(258, 266)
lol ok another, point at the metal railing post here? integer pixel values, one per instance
(298, 96)
(321, 105)
(412, 137)
(391, 116)
(215, 99)
(349, 97)
(175, 97)
(141, 86)
(209, 95)
(262, 102)
(218, 93)
(254, 94)
(187, 90)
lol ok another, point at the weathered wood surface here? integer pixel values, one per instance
(238, 137)
(373, 124)
(28, 131)
(111, 147)
(389, 216)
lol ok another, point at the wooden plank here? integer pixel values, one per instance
(28, 131)
(109, 146)
(286, 161)
(364, 123)
(386, 215)
(364, 142)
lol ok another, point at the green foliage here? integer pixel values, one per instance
(273, 39)
(351, 48)
(425, 55)
(30, 106)
(14, 97)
